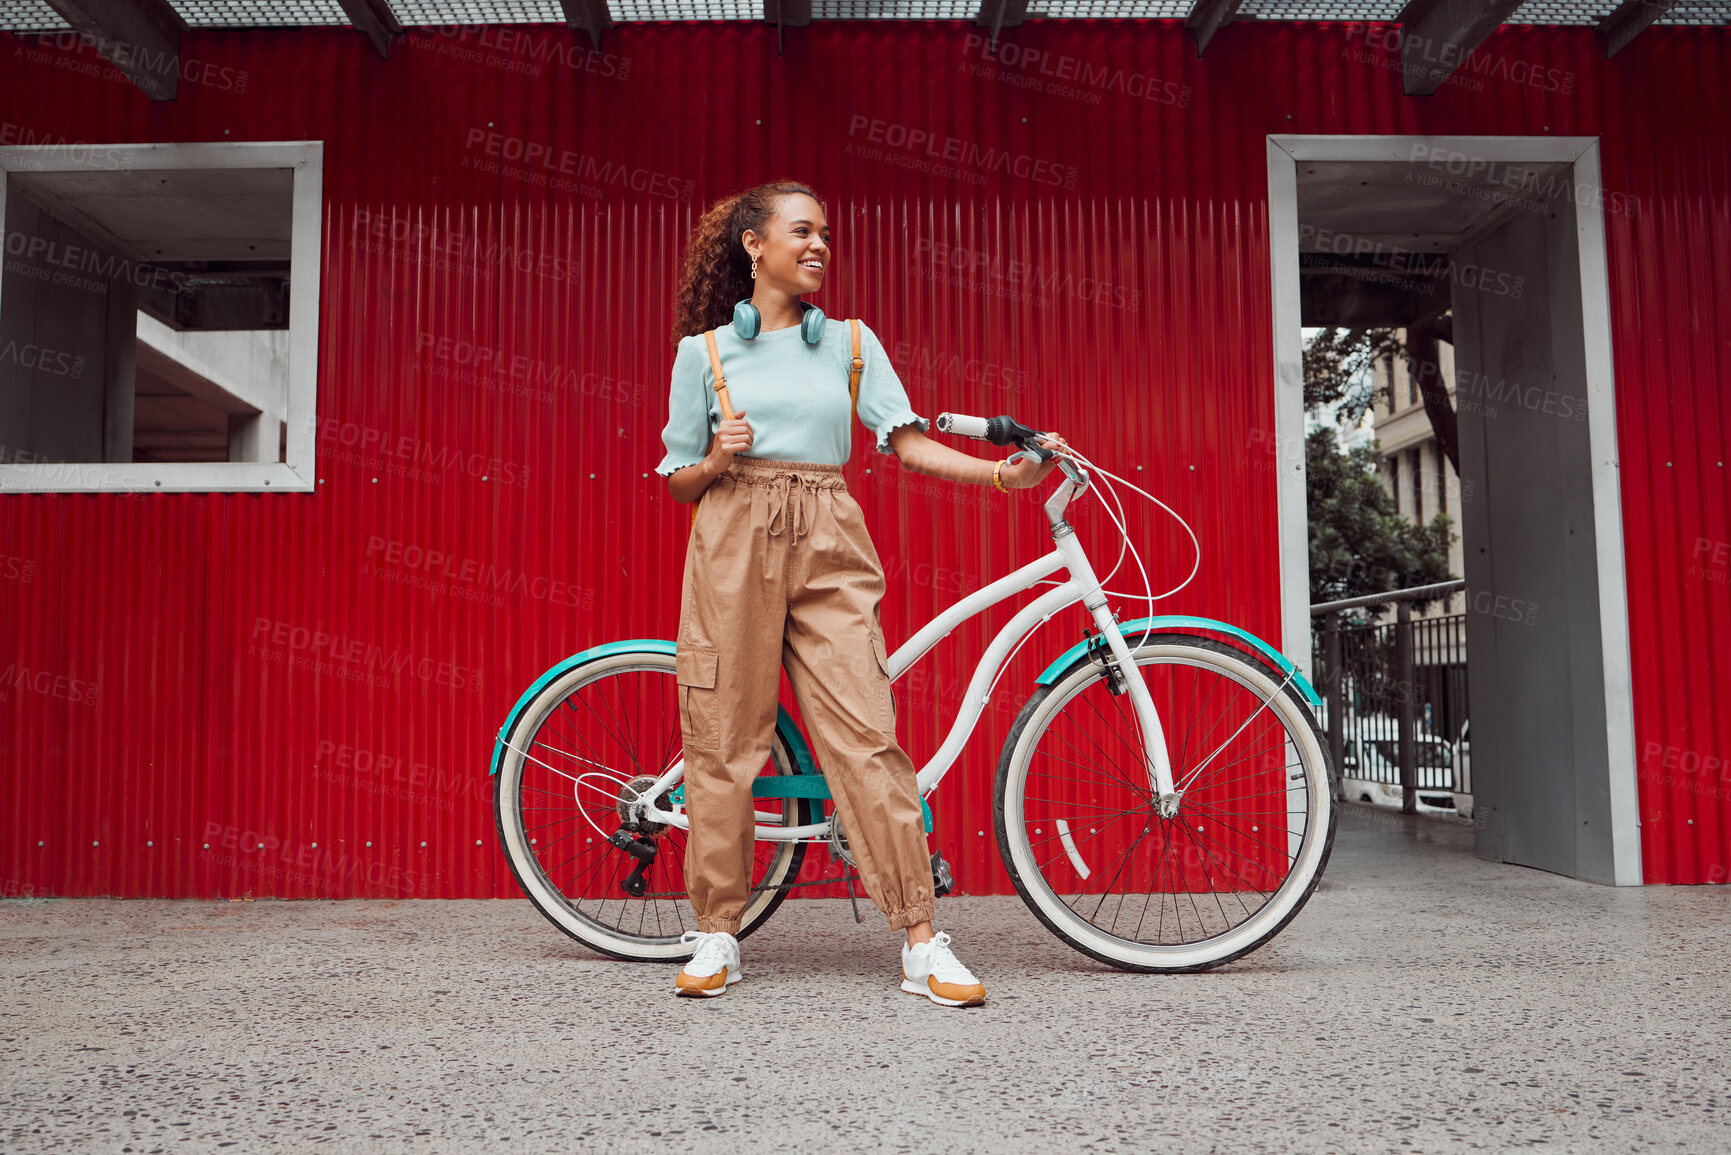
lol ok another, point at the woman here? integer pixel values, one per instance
(780, 571)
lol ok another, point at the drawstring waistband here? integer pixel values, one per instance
(786, 486)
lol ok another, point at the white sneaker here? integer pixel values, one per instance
(712, 969)
(930, 969)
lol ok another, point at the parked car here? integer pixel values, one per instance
(1372, 773)
(1463, 791)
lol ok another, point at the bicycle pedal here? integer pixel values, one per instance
(943, 879)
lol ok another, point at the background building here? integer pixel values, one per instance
(284, 676)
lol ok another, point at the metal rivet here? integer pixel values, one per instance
(982, 834)
(150, 844)
(423, 844)
(207, 846)
(477, 842)
(369, 844)
(96, 844)
(315, 846)
(375, 481)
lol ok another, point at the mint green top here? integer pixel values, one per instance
(794, 395)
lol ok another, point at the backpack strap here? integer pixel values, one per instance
(854, 367)
(720, 381)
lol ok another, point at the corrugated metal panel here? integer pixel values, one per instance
(289, 681)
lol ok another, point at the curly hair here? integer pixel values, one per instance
(717, 270)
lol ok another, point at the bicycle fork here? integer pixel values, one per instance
(1158, 758)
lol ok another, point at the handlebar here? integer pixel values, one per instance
(1000, 430)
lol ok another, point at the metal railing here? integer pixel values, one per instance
(1395, 695)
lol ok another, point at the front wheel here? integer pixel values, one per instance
(1090, 853)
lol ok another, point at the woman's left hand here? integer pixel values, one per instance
(1027, 473)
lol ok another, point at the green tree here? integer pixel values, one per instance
(1359, 542)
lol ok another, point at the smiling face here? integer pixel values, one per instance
(792, 252)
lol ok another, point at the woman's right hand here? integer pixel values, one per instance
(733, 437)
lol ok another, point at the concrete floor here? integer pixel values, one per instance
(1424, 1000)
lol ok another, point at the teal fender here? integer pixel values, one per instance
(765, 787)
(1182, 623)
(783, 722)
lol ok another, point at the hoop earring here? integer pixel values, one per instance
(754, 268)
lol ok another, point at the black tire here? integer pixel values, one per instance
(616, 711)
(1041, 876)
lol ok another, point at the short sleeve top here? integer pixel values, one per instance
(795, 395)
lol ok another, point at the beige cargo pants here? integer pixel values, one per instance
(781, 572)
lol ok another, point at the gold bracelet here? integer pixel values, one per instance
(996, 480)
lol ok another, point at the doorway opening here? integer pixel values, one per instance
(1498, 243)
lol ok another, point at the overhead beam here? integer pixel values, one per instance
(375, 18)
(1208, 17)
(591, 16)
(998, 15)
(1436, 36)
(786, 14)
(1629, 20)
(139, 37)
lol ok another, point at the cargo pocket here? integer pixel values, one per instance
(699, 717)
(880, 651)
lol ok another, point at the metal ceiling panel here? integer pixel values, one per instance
(259, 13)
(1319, 10)
(411, 13)
(1108, 9)
(30, 16)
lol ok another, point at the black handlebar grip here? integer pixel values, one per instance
(1005, 430)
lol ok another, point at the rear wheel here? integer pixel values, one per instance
(574, 763)
(1090, 853)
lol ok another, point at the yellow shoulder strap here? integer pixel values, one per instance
(720, 381)
(855, 367)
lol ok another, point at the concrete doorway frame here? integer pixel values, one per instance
(1285, 153)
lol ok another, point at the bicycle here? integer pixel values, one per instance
(1147, 847)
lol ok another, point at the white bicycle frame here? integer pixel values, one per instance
(1081, 585)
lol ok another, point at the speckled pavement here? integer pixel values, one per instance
(1423, 1001)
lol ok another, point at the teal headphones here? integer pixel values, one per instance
(747, 321)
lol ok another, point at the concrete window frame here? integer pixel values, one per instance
(1285, 152)
(296, 474)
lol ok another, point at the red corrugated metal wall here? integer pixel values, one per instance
(504, 217)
